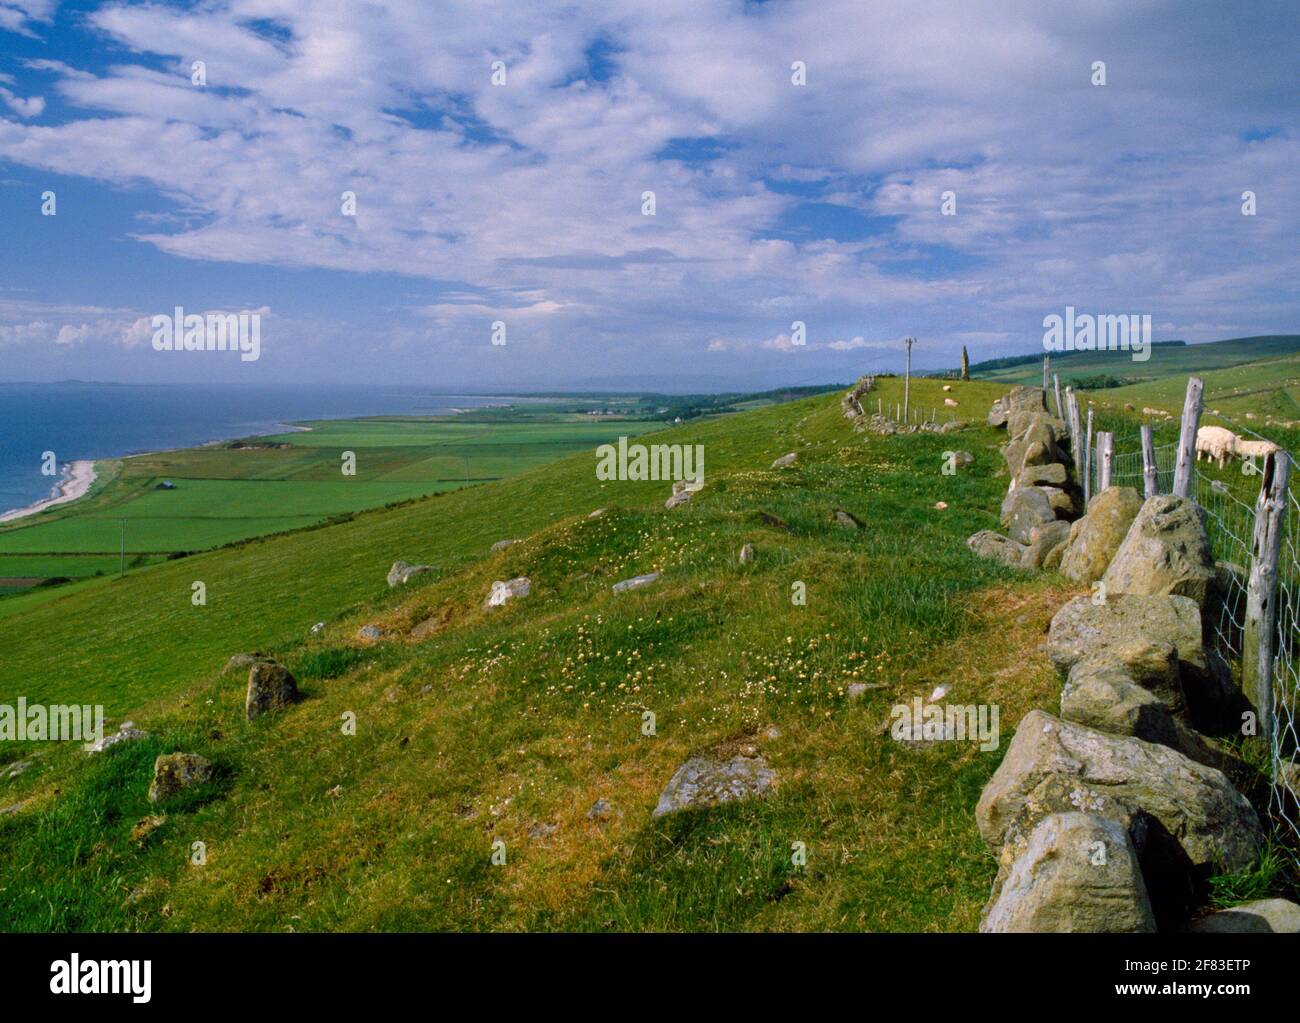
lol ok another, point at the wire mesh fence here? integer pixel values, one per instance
(1230, 512)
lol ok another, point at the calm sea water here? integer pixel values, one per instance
(76, 420)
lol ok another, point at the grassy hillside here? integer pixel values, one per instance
(509, 724)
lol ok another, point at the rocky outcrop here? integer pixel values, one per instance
(270, 687)
(702, 782)
(173, 772)
(401, 573)
(1077, 872)
(504, 592)
(1096, 537)
(1166, 550)
(1162, 798)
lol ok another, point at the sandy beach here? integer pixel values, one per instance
(77, 480)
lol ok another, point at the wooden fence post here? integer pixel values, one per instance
(1262, 595)
(1105, 459)
(1056, 383)
(1072, 409)
(1087, 463)
(1047, 365)
(1183, 468)
(1150, 479)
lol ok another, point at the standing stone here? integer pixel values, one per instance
(270, 686)
(1077, 873)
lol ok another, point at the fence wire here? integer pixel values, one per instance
(1230, 526)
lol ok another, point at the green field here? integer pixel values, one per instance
(233, 492)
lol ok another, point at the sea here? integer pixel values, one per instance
(91, 420)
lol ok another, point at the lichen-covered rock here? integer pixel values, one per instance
(1018, 399)
(1042, 540)
(1053, 474)
(1166, 550)
(173, 772)
(988, 544)
(372, 633)
(1023, 509)
(1096, 537)
(702, 782)
(270, 686)
(402, 572)
(1077, 873)
(503, 592)
(1055, 766)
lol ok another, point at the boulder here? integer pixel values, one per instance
(1138, 631)
(785, 460)
(1267, 916)
(847, 519)
(1018, 399)
(1064, 501)
(636, 582)
(270, 686)
(402, 573)
(370, 632)
(502, 592)
(1096, 537)
(988, 544)
(1166, 550)
(1023, 509)
(126, 733)
(1077, 873)
(173, 772)
(702, 782)
(1042, 540)
(1178, 812)
(1050, 474)
(747, 554)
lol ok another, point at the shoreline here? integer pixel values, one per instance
(78, 477)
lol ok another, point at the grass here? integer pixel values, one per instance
(508, 725)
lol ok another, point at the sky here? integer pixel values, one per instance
(500, 155)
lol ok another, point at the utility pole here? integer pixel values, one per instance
(907, 377)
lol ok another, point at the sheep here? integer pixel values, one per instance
(1216, 442)
(1256, 448)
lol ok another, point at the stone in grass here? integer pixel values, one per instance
(597, 513)
(988, 544)
(677, 500)
(501, 545)
(1266, 916)
(600, 810)
(785, 460)
(747, 554)
(1077, 873)
(173, 772)
(241, 662)
(636, 582)
(370, 632)
(270, 686)
(401, 573)
(846, 519)
(703, 782)
(503, 592)
(126, 733)
(318, 628)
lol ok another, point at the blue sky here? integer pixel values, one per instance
(522, 202)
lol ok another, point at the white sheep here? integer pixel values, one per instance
(1256, 448)
(1216, 443)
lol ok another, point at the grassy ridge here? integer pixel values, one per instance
(510, 724)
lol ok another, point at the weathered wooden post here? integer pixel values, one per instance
(1262, 595)
(1150, 479)
(1056, 383)
(1087, 462)
(907, 376)
(1105, 459)
(1047, 365)
(1072, 410)
(1187, 438)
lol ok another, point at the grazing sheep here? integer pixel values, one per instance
(1216, 443)
(1256, 448)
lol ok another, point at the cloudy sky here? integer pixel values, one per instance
(522, 201)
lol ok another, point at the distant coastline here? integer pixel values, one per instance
(75, 482)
